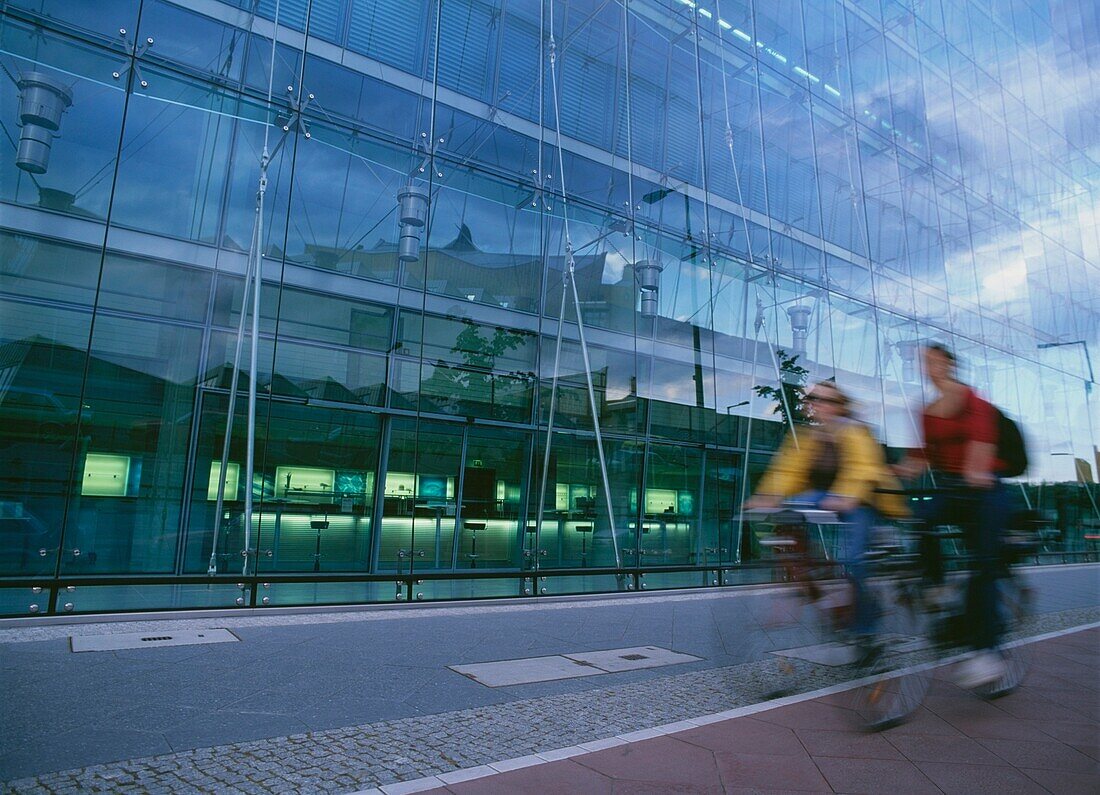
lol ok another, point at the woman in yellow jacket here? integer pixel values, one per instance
(837, 466)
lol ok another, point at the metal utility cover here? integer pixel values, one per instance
(569, 666)
(150, 640)
(631, 659)
(526, 671)
(837, 654)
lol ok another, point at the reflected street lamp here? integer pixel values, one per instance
(1088, 360)
(799, 315)
(42, 100)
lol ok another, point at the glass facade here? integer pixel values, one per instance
(722, 182)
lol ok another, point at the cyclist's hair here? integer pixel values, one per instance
(845, 403)
(943, 350)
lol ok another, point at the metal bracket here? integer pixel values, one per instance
(428, 150)
(293, 121)
(132, 63)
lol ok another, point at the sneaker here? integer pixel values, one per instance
(981, 669)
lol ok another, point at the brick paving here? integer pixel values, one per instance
(1042, 738)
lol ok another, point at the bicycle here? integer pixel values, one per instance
(890, 700)
(803, 560)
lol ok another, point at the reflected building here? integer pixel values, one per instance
(727, 185)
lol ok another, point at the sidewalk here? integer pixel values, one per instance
(345, 701)
(1045, 737)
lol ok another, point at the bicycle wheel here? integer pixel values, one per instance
(891, 699)
(1015, 604)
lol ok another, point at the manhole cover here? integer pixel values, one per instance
(633, 657)
(143, 640)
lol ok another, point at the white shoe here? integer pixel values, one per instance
(984, 667)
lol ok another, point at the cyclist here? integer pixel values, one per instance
(960, 446)
(837, 466)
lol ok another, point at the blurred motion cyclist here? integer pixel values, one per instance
(837, 465)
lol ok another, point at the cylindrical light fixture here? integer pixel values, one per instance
(412, 203)
(408, 245)
(412, 214)
(907, 350)
(42, 100)
(648, 274)
(799, 315)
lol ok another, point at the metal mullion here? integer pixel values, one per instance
(456, 534)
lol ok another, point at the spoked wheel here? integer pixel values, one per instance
(891, 699)
(1015, 600)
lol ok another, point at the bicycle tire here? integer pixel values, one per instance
(1015, 603)
(891, 699)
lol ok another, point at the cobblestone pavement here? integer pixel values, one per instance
(358, 757)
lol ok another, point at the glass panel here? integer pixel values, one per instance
(575, 529)
(492, 479)
(124, 513)
(343, 208)
(672, 507)
(652, 581)
(42, 361)
(613, 380)
(600, 583)
(484, 243)
(420, 488)
(66, 154)
(184, 37)
(468, 369)
(721, 495)
(445, 590)
(314, 488)
(23, 600)
(127, 598)
(279, 594)
(101, 18)
(195, 127)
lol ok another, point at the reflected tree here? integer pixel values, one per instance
(790, 395)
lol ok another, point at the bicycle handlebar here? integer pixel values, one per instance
(809, 514)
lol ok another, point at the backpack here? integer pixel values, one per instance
(1011, 449)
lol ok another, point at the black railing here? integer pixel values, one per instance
(54, 597)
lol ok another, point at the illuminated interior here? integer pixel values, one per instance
(232, 475)
(105, 475)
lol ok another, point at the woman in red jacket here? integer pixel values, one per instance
(960, 447)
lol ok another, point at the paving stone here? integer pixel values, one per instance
(872, 776)
(955, 779)
(1044, 755)
(764, 771)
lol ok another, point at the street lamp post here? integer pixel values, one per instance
(1088, 413)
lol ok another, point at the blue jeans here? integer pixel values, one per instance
(982, 514)
(855, 540)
